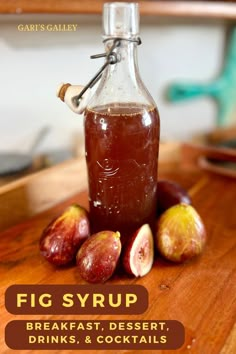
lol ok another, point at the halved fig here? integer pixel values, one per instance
(138, 253)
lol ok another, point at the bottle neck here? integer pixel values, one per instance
(121, 82)
(125, 70)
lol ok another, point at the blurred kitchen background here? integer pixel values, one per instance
(34, 63)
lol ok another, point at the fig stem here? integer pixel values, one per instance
(117, 234)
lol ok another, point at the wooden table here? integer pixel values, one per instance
(200, 294)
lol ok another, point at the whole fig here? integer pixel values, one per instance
(98, 256)
(170, 193)
(62, 238)
(181, 234)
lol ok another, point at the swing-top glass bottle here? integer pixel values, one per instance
(122, 133)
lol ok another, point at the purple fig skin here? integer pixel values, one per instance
(170, 193)
(97, 258)
(62, 238)
(138, 255)
(181, 234)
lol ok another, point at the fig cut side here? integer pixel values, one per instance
(138, 253)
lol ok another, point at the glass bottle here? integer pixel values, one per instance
(122, 134)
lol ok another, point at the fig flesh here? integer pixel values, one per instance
(62, 238)
(138, 253)
(181, 234)
(170, 193)
(98, 256)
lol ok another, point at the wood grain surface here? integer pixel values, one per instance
(31, 194)
(201, 9)
(201, 294)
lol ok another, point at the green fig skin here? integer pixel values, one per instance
(97, 258)
(62, 238)
(181, 234)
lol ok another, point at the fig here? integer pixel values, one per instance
(170, 193)
(62, 238)
(98, 256)
(181, 234)
(138, 252)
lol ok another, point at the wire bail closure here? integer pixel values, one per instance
(111, 59)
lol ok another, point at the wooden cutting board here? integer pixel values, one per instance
(200, 294)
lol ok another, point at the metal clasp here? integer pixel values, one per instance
(111, 59)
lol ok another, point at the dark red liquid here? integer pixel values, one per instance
(122, 145)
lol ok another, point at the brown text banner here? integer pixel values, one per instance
(76, 299)
(88, 335)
